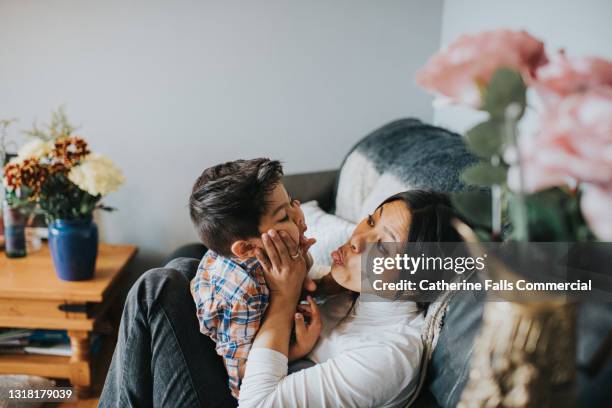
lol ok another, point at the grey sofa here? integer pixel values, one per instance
(424, 156)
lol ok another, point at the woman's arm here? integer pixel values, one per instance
(368, 376)
(284, 276)
(373, 376)
(275, 331)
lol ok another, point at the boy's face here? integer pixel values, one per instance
(282, 214)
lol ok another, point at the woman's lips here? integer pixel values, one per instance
(338, 257)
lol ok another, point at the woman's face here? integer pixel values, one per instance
(389, 223)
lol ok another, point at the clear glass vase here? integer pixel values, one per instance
(14, 231)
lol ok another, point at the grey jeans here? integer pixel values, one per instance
(161, 359)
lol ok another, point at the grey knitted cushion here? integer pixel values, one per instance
(405, 154)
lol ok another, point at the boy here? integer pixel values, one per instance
(231, 205)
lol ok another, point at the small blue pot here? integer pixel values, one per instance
(74, 248)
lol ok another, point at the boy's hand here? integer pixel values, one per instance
(309, 285)
(305, 244)
(306, 334)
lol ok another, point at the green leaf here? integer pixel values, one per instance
(484, 175)
(474, 206)
(486, 139)
(550, 215)
(506, 87)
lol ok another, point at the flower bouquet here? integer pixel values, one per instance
(553, 184)
(58, 175)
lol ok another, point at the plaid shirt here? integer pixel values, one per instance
(231, 298)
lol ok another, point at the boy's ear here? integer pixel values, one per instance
(243, 249)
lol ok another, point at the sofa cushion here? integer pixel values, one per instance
(406, 154)
(449, 366)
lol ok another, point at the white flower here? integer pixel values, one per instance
(96, 174)
(35, 150)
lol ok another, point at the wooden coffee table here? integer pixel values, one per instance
(31, 296)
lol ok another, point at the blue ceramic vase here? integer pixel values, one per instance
(74, 248)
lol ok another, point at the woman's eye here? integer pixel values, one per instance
(370, 220)
(285, 218)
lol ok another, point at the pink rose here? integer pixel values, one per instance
(467, 65)
(573, 145)
(596, 203)
(564, 76)
(573, 148)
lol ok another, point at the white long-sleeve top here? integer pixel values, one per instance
(369, 359)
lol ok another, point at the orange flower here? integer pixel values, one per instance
(28, 173)
(33, 175)
(12, 176)
(70, 150)
(58, 168)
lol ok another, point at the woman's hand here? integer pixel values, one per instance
(284, 276)
(306, 333)
(283, 264)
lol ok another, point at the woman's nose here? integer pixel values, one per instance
(357, 244)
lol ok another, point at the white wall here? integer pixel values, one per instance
(582, 27)
(167, 88)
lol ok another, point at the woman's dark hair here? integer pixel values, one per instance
(432, 213)
(431, 224)
(432, 216)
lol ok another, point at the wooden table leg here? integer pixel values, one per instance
(80, 368)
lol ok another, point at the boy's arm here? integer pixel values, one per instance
(296, 353)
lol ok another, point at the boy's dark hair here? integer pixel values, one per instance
(228, 200)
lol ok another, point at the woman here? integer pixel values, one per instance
(368, 357)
